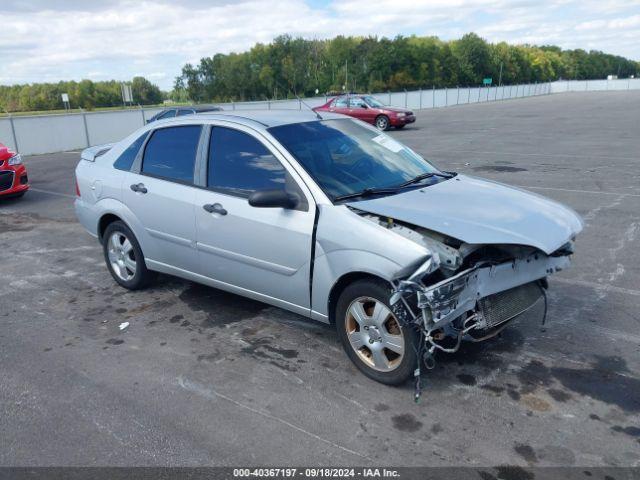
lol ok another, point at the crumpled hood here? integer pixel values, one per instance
(481, 212)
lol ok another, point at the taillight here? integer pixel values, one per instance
(77, 188)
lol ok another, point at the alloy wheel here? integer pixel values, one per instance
(375, 334)
(382, 123)
(122, 256)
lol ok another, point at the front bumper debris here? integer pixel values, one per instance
(445, 301)
(481, 299)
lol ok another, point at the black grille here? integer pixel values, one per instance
(6, 180)
(503, 306)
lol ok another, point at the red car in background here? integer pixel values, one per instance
(369, 109)
(14, 181)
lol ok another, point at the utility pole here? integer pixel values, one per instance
(500, 77)
(346, 74)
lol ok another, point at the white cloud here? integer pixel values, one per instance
(62, 39)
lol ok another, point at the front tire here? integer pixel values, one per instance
(382, 122)
(124, 257)
(372, 336)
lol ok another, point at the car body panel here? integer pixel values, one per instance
(478, 211)
(167, 213)
(347, 243)
(246, 247)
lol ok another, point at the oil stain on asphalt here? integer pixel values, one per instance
(222, 308)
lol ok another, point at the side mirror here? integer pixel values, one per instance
(364, 105)
(273, 199)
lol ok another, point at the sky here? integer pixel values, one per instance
(52, 40)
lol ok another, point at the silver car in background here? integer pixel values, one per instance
(329, 218)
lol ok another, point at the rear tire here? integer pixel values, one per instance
(124, 258)
(382, 122)
(375, 342)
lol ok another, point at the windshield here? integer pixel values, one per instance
(373, 102)
(345, 157)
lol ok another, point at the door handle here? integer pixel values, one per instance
(139, 187)
(215, 208)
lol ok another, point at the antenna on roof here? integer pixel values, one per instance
(309, 107)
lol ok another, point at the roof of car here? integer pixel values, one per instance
(270, 118)
(202, 108)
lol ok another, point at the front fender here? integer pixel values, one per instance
(347, 243)
(330, 267)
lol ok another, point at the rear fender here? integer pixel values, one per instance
(120, 210)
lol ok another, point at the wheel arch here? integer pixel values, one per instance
(375, 122)
(343, 282)
(106, 220)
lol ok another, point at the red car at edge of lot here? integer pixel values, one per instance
(369, 109)
(14, 181)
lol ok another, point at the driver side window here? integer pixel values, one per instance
(340, 102)
(239, 164)
(356, 102)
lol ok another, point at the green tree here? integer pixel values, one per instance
(144, 92)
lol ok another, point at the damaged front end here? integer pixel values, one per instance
(463, 292)
(475, 303)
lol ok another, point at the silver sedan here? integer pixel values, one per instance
(327, 217)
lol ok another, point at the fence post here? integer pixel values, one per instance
(389, 92)
(479, 93)
(420, 98)
(299, 104)
(446, 96)
(406, 98)
(144, 120)
(468, 95)
(13, 134)
(86, 129)
(433, 96)
(233, 105)
(458, 95)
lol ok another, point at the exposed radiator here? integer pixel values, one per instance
(503, 306)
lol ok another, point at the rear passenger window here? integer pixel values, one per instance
(126, 158)
(171, 153)
(240, 164)
(185, 112)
